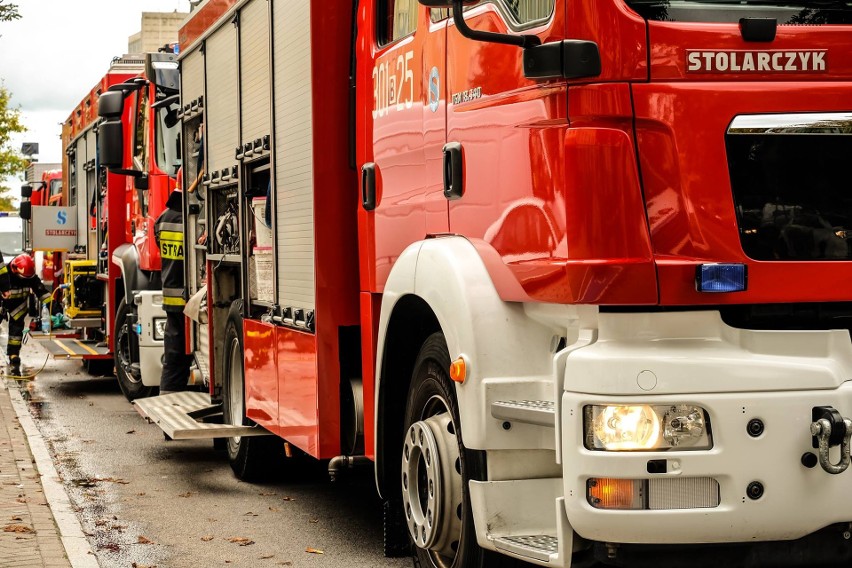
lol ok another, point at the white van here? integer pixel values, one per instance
(11, 235)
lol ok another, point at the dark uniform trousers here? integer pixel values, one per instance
(176, 362)
(16, 307)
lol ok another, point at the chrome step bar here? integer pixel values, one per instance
(181, 414)
(543, 548)
(540, 412)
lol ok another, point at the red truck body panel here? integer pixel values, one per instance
(599, 191)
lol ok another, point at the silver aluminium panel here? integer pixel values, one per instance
(221, 99)
(82, 191)
(192, 76)
(254, 68)
(91, 237)
(294, 160)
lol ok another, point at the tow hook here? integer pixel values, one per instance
(830, 429)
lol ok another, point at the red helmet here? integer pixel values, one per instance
(23, 265)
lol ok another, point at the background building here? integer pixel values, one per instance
(158, 29)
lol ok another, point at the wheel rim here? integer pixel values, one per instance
(123, 354)
(235, 386)
(432, 485)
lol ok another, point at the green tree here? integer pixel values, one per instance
(8, 12)
(11, 162)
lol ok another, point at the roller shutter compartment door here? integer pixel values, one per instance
(221, 100)
(254, 69)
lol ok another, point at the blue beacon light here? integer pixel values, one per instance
(721, 278)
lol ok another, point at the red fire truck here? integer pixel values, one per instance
(571, 274)
(114, 294)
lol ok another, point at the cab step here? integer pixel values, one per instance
(539, 412)
(182, 416)
(541, 547)
(524, 519)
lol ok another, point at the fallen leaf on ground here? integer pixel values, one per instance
(287, 499)
(266, 494)
(113, 480)
(109, 546)
(131, 431)
(313, 521)
(207, 538)
(241, 540)
(266, 556)
(274, 509)
(314, 551)
(142, 540)
(186, 495)
(285, 563)
(16, 519)
(18, 529)
(250, 514)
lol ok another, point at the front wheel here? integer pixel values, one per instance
(126, 345)
(437, 468)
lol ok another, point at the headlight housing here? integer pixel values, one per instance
(159, 329)
(644, 427)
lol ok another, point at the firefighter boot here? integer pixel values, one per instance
(15, 365)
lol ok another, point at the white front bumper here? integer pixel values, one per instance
(736, 375)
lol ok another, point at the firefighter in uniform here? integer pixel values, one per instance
(22, 282)
(169, 234)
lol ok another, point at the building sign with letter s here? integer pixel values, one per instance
(54, 228)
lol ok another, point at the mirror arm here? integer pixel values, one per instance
(465, 30)
(166, 101)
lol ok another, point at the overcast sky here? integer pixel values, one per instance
(58, 50)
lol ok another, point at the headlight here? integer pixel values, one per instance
(645, 427)
(159, 329)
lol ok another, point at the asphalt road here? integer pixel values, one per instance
(146, 502)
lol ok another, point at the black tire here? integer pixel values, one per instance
(432, 394)
(128, 375)
(252, 458)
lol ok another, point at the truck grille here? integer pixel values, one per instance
(683, 493)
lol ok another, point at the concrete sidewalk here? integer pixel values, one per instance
(29, 534)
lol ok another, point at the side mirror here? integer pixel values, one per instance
(111, 144)
(567, 59)
(26, 210)
(111, 105)
(26, 190)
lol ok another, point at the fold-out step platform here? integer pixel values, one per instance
(72, 348)
(181, 415)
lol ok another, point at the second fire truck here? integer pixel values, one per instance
(113, 275)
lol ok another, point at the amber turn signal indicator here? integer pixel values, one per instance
(615, 493)
(458, 370)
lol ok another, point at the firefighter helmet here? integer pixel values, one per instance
(23, 265)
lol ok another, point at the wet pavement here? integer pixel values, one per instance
(146, 502)
(29, 535)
